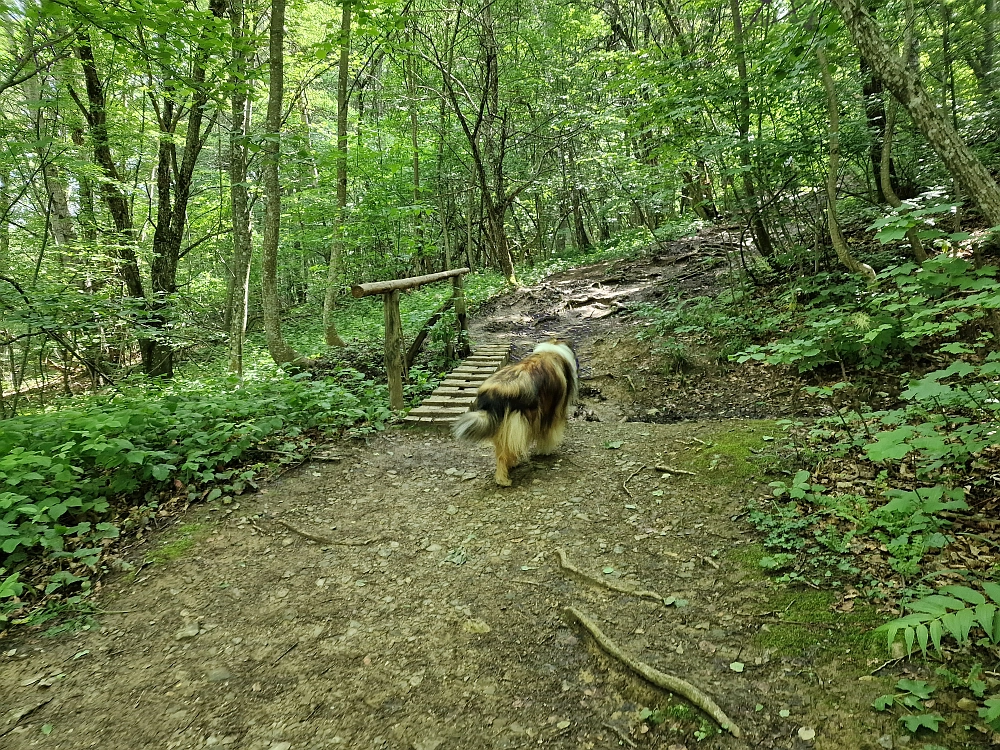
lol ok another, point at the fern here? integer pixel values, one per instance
(954, 611)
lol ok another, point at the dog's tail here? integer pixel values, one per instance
(476, 426)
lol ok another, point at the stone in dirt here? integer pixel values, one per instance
(190, 630)
(219, 674)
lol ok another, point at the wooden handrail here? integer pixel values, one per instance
(381, 287)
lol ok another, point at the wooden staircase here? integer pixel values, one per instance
(457, 392)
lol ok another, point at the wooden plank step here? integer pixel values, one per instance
(433, 400)
(455, 391)
(432, 411)
(435, 423)
(464, 377)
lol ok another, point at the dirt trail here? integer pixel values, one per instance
(429, 613)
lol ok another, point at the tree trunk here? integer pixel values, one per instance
(411, 92)
(87, 215)
(761, 235)
(836, 237)
(173, 191)
(4, 231)
(919, 254)
(872, 90)
(280, 351)
(964, 165)
(239, 291)
(61, 219)
(336, 247)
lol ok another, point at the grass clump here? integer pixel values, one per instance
(185, 537)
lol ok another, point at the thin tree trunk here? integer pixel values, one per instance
(761, 235)
(87, 215)
(280, 351)
(4, 233)
(839, 243)
(239, 196)
(174, 180)
(964, 165)
(336, 246)
(411, 91)
(61, 219)
(886, 180)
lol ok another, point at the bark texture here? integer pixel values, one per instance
(964, 165)
(336, 246)
(280, 351)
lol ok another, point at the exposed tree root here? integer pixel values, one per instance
(641, 593)
(667, 682)
(324, 540)
(672, 470)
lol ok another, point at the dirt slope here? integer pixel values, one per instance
(428, 610)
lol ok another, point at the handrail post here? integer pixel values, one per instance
(393, 348)
(461, 318)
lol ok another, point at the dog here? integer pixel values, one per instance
(523, 403)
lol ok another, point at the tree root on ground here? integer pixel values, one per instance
(641, 593)
(324, 540)
(667, 682)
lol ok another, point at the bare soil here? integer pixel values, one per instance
(396, 598)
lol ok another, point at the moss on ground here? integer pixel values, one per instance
(730, 452)
(805, 624)
(180, 541)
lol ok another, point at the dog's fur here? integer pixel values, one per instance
(523, 403)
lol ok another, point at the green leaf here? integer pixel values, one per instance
(964, 593)
(919, 688)
(992, 591)
(922, 638)
(922, 721)
(162, 471)
(936, 629)
(883, 702)
(991, 711)
(984, 616)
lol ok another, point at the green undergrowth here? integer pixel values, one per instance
(74, 477)
(881, 494)
(178, 543)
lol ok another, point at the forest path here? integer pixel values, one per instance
(427, 612)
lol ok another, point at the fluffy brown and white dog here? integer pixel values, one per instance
(523, 403)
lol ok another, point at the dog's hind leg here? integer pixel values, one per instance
(504, 464)
(512, 444)
(551, 440)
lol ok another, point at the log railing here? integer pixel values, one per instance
(395, 363)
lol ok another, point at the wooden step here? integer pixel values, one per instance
(456, 393)
(429, 411)
(435, 400)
